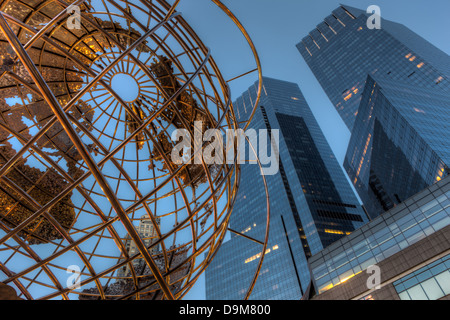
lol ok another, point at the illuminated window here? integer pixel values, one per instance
(348, 97)
(337, 232)
(247, 230)
(308, 51)
(363, 156)
(440, 173)
(360, 28)
(257, 256)
(420, 65)
(339, 20)
(334, 231)
(408, 56)
(438, 80)
(349, 93)
(322, 35)
(412, 58)
(294, 98)
(350, 15)
(316, 44)
(329, 286)
(331, 28)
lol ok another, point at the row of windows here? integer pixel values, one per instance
(394, 234)
(431, 282)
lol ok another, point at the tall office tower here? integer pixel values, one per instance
(312, 203)
(391, 87)
(342, 51)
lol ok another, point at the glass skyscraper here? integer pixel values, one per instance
(342, 51)
(400, 142)
(312, 203)
(391, 87)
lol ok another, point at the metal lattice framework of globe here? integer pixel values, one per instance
(87, 185)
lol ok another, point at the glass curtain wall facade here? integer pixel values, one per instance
(312, 203)
(415, 219)
(399, 127)
(431, 282)
(399, 144)
(342, 51)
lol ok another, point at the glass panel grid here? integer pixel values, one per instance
(431, 282)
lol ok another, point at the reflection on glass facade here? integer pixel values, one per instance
(391, 232)
(431, 282)
(399, 143)
(341, 52)
(312, 203)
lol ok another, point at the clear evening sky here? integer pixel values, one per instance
(276, 26)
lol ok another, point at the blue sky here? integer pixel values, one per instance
(275, 26)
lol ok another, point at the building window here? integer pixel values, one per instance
(431, 282)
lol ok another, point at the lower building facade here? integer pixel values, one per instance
(404, 254)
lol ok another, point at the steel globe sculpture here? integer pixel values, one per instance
(91, 204)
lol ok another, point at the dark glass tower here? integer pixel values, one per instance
(400, 142)
(312, 203)
(342, 51)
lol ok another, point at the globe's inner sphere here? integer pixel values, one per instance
(125, 86)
